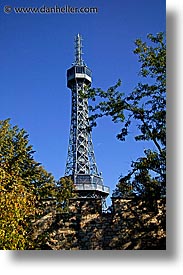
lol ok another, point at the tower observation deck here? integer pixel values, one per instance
(81, 163)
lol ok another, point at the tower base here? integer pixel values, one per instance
(90, 186)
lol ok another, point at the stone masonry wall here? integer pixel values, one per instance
(130, 225)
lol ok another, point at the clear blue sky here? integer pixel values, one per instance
(37, 49)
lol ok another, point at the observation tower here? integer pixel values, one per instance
(81, 164)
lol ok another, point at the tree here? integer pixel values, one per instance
(145, 107)
(17, 192)
(27, 190)
(64, 191)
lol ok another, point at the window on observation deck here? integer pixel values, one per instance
(80, 70)
(70, 72)
(83, 70)
(87, 71)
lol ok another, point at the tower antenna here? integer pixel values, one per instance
(78, 50)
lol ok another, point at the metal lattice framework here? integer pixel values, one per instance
(81, 163)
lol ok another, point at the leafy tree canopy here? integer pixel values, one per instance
(25, 189)
(144, 107)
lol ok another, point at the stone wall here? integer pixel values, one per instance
(130, 225)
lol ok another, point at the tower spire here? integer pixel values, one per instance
(81, 164)
(78, 50)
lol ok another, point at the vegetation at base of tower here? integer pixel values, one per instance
(145, 108)
(25, 189)
(64, 191)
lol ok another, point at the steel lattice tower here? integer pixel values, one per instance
(81, 164)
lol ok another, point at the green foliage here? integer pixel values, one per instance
(64, 191)
(144, 107)
(17, 192)
(27, 191)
